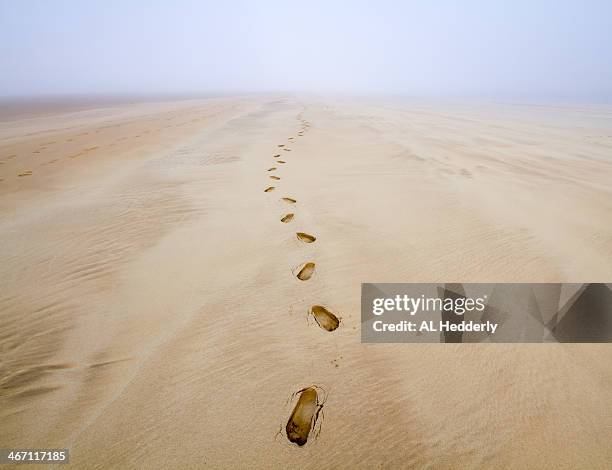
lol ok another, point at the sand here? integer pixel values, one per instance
(156, 313)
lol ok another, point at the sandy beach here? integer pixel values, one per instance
(154, 308)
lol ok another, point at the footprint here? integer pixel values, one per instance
(306, 272)
(287, 218)
(287, 150)
(281, 161)
(272, 169)
(304, 416)
(324, 318)
(268, 189)
(306, 238)
(289, 200)
(274, 177)
(281, 145)
(277, 155)
(25, 173)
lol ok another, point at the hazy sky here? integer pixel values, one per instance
(524, 48)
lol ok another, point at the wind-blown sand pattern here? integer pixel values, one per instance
(148, 309)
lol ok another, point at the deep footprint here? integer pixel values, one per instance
(304, 416)
(306, 238)
(306, 272)
(289, 200)
(268, 189)
(324, 318)
(287, 218)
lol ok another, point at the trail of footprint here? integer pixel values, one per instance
(306, 271)
(289, 200)
(306, 238)
(324, 317)
(268, 189)
(304, 416)
(287, 218)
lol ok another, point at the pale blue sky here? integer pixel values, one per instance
(539, 49)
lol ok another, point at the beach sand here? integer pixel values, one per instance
(152, 316)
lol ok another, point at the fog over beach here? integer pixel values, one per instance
(191, 195)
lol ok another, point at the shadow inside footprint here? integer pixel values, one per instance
(289, 200)
(304, 416)
(324, 318)
(287, 218)
(268, 189)
(306, 271)
(305, 237)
